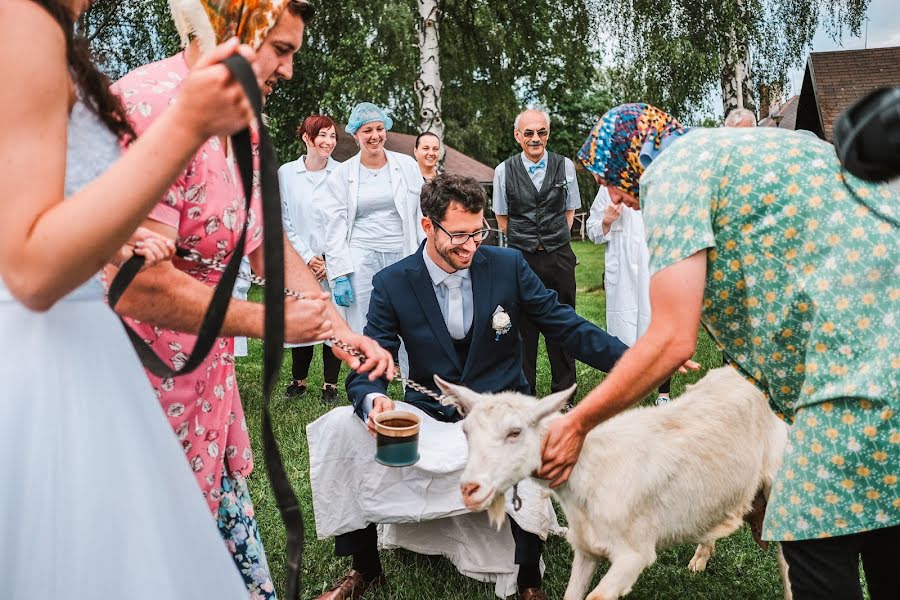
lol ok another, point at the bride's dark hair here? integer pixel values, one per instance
(93, 86)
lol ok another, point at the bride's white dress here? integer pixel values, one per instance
(97, 500)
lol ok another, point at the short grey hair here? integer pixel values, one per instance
(740, 117)
(543, 113)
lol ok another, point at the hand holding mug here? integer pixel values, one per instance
(379, 405)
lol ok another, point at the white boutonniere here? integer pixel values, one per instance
(500, 322)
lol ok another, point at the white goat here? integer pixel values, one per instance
(646, 479)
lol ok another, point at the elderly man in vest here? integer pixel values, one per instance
(535, 198)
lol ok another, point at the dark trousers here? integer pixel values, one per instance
(665, 386)
(301, 358)
(828, 569)
(557, 271)
(363, 542)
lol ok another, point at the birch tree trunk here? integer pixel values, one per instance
(737, 86)
(737, 89)
(428, 86)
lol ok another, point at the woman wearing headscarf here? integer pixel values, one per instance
(373, 216)
(626, 271)
(205, 210)
(302, 182)
(790, 263)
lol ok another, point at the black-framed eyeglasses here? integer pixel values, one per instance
(458, 239)
(529, 133)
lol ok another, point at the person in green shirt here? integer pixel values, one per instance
(793, 267)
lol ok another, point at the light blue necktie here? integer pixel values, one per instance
(532, 169)
(455, 321)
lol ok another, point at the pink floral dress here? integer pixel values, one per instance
(206, 206)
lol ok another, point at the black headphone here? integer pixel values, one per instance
(867, 136)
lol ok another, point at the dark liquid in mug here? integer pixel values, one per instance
(397, 423)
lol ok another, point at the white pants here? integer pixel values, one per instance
(366, 263)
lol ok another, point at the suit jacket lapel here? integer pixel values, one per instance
(480, 273)
(424, 290)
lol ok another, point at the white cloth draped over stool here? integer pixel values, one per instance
(420, 507)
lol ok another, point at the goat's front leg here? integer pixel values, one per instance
(583, 567)
(626, 565)
(701, 557)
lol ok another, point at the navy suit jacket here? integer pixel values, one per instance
(403, 305)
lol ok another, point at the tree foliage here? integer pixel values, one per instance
(496, 58)
(125, 35)
(670, 52)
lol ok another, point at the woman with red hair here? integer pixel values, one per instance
(300, 182)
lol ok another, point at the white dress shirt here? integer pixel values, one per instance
(303, 219)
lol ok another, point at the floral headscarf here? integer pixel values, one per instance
(624, 143)
(214, 21)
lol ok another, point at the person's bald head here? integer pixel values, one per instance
(532, 130)
(740, 117)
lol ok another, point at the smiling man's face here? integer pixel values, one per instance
(532, 134)
(275, 57)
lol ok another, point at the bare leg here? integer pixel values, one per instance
(783, 569)
(583, 567)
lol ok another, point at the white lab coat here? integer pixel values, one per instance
(241, 288)
(304, 221)
(338, 205)
(627, 269)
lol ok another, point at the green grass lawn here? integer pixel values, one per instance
(739, 570)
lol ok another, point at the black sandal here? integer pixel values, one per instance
(330, 394)
(295, 390)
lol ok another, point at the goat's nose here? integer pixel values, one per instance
(469, 489)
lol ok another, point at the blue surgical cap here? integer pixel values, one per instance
(366, 112)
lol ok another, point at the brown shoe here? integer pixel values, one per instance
(532, 594)
(352, 586)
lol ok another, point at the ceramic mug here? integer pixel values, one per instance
(397, 439)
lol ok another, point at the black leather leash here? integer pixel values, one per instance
(273, 345)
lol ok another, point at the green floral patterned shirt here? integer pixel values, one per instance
(803, 296)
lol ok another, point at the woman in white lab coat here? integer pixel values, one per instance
(302, 185)
(371, 203)
(627, 275)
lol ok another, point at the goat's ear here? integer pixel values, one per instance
(461, 397)
(553, 403)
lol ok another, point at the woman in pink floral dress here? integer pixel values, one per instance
(205, 211)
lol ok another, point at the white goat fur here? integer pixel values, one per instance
(649, 478)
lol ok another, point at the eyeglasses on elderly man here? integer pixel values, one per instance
(530, 133)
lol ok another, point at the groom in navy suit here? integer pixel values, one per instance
(458, 308)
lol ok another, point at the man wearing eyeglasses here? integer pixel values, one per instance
(444, 302)
(535, 199)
